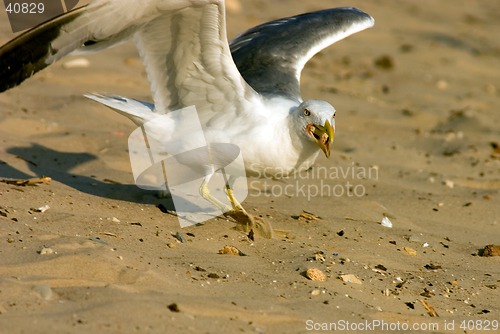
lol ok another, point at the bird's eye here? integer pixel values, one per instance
(307, 112)
(334, 115)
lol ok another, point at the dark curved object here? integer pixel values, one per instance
(25, 55)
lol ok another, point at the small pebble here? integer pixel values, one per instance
(432, 266)
(315, 292)
(380, 267)
(43, 208)
(173, 307)
(319, 257)
(491, 250)
(231, 250)
(46, 251)
(349, 278)
(314, 274)
(180, 237)
(386, 222)
(410, 251)
(450, 184)
(308, 216)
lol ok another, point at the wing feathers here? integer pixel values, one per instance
(29, 53)
(188, 61)
(137, 111)
(185, 50)
(271, 56)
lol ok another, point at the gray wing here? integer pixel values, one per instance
(271, 56)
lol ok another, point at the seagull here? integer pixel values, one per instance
(246, 91)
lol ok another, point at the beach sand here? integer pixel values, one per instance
(418, 121)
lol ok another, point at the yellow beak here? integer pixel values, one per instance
(322, 135)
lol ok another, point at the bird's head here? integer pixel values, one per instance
(317, 120)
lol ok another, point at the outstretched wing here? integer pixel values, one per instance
(271, 56)
(183, 45)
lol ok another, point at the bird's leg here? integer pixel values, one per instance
(230, 194)
(238, 213)
(205, 193)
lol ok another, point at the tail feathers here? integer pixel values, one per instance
(137, 111)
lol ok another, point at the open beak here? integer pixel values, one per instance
(322, 135)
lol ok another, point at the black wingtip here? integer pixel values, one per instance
(25, 55)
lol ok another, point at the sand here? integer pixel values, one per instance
(417, 101)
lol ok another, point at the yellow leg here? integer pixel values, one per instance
(230, 194)
(205, 193)
(239, 214)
